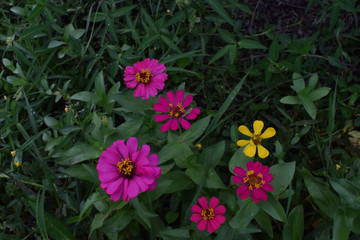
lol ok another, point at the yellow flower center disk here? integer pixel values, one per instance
(144, 76)
(256, 139)
(126, 168)
(176, 111)
(208, 214)
(252, 180)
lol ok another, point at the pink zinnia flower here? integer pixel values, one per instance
(209, 216)
(176, 110)
(125, 170)
(147, 75)
(254, 181)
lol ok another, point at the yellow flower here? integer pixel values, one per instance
(198, 145)
(168, 10)
(5, 97)
(17, 164)
(256, 139)
(66, 109)
(13, 153)
(338, 166)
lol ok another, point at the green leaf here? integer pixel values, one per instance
(263, 219)
(294, 228)
(96, 196)
(81, 171)
(196, 173)
(18, 11)
(274, 50)
(290, 100)
(298, 82)
(216, 151)
(97, 222)
(179, 180)
(349, 191)
(313, 81)
(119, 221)
(182, 233)
(99, 83)
(40, 217)
(149, 20)
(244, 215)
(220, 53)
(56, 229)
(273, 208)
(309, 106)
(170, 217)
(170, 44)
(239, 159)
(55, 43)
(318, 93)
(232, 51)
(128, 101)
(321, 194)
(226, 35)
(283, 174)
(78, 153)
(251, 44)
(84, 96)
(342, 226)
(144, 213)
(122, 11)
(32, 31)
(219, 9)
(195, 131)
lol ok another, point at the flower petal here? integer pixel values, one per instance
(268, 178)
(219, 218)
(161, 117)
(249, 166)
(269, 132)
(240, 171)
(163, 101)
(213, 202)
(262, 152)
(250, 150)
(241, 143)
(202, 225)
(184, 124)
(174, 124)
(132, 144)
(220, 209)
(114, 186)
(160, 108)
(171, 97)
(244, 130)
(268, 187)
(195, 217)
(203, 202)
(258, 126)
(212, 226)
(244, 195)
(187, 101)
(237, 179)
(179, 97)
(196, 208)
(133, 189)
(165, 127)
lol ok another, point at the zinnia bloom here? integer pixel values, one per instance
(175, 109)
(125, 170)
(256, 139)
(254, 181)
(208, 216)
(147, 75)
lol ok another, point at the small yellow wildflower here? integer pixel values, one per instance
(17, 164)
(13, 153)
(256, 138)
(168, 10)
(198, 145)
(66, 109)
(338, 166)
(5, 97)
(355, 138)
(9, 40)
(277, 197)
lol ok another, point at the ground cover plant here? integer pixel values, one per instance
(201, 119)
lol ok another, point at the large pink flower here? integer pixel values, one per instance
(254, 181)
(147, 75)
(208, 216)
(125, 170)
(175, 109)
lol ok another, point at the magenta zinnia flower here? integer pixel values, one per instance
(147, 75)
(124, 171)
(254, 181)
(176, 110)
(208, 216)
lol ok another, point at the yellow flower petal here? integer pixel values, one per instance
(250, 150)
(262, 152)
(269, 132)
(241, 143)
(244, 130)
(258, 126)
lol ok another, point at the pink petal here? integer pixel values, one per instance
(153, 159)
(140, 90)
(171, 97)
(237, 179)
(131, 84)
(160, 78)
(188, 100)
(268, 178)
(166, 126)
(160, 108)
(195, 217)
(245, 194)
(256, 194)
(213, 202)
(147, 179)
(104, 167)
(174, 124)
(240, 171)
(193, 114)
(133, 189)
(184, 124)
(125, 190)
(114, 186)
(263, 195)
(203, 202)
(152, 64)
(151, 90)
(219, 218)
(202, 225)
(249, 166)
(163, 101)
(268, 187)
(179, 97)
(132, 144)
(212, 226)
(265, 170)
(123, 150)
(159, 69)
(110, 176)
(129, 78)
(196, 208)
(152, 186)
(220, 209)
(143, 187)
(116, 196)
(130, 70)
(161, 117)
(257, 167)
(157, 84)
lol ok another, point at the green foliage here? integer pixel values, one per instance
(63, 102)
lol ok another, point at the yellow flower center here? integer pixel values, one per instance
(176, 111)
(256, 139)
(126, 168)
(252, 180)
(208, 214)
(144, 76)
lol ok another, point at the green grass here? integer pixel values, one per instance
(63, 102)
